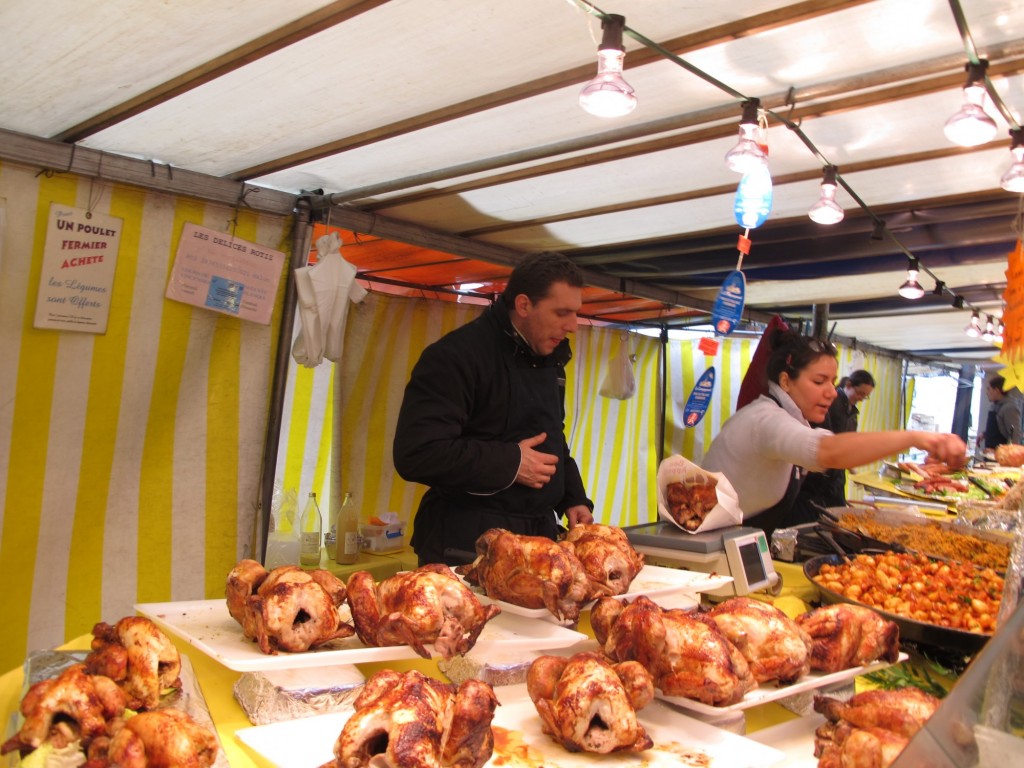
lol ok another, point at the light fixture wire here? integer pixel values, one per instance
(879, 224)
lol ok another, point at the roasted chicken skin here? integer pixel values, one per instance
(608, 558)
(530, 571)
(288, 608)
(685, 656)
(409, 720)
(427, 605)
(165, 738)
(138, 656)
(588, 704)
(73, 706)
(870, 729)
(844, 636)
(774, 645)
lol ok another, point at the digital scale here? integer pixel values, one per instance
(740, 551)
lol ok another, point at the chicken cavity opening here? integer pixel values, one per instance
(375, 746)
(301, 617)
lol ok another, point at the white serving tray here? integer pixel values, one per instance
(653, 581)
(771, 692)
(678, 740)
(208, 626)
(795, 738)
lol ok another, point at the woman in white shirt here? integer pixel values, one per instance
(767, 447)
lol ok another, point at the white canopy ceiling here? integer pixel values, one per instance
(461, 117)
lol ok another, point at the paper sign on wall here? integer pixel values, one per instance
(77, 279)
(216, 271)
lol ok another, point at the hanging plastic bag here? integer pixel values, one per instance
(619, 382)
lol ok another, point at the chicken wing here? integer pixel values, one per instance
(427, 605)
(588, 704)
(775, 647)
(845, 635)
(685, 656)
(165, 738)
(138, 656)
(409, 720)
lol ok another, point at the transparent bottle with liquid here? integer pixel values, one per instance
(348, 531)
(310, 533)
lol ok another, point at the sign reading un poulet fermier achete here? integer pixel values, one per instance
(77, 278)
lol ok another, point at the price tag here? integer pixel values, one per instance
(700, 398)
(708, 346)
(728, 307)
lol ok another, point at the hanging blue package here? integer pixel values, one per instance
(700, 398)
(728, 308)
(753, 198)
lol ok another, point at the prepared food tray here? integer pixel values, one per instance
(207, 625)
(949, 540)
(653, 581)
(679, 741)
(939, 482)
(914, 630)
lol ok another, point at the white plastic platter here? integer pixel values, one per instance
(771, 692)
(795, 738)
(653, 581)
(678, 741)
(207, 625)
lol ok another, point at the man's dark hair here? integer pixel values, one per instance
(535, 274)
(997, 382)
(860, 378)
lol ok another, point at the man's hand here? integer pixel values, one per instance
(535, 468)
(579, 515)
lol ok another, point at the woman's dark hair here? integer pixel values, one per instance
(535, 274)
(860, 378)
(792, 352)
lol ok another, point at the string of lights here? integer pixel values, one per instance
(971, 126)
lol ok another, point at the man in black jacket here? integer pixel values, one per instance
(482, 419)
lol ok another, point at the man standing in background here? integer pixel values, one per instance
(1004, 414)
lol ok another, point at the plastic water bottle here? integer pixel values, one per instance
(310, 533)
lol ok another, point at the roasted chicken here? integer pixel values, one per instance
(165, 738)
(775, 647)
(685, 656)
(73, 706)
(845, 635)
(288, 608)
(409, 720)
(530, 571)
(608, 558)
(427, 605)
(870, 729)
(138, 656)
(588, 704)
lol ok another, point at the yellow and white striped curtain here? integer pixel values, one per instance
(129, 461)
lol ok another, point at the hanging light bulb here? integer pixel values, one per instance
(1013, 179)
(608, 95)
(753, 198)
(1000, 328)
(990, 329)
(827, 210)
(973, 328)
(972, 125)
(748, 152)
(911, 289)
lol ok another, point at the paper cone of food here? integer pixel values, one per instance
(696, 500)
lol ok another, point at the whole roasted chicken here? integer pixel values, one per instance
(288, 608)
(685, 656)
(427, 605)
(74, 706)
(845, 635)
(588, 704)
(774, 645)
(530, 571)
(138, 656)
(409, 720)
(165, 738)
(871, 728)
(608, 558)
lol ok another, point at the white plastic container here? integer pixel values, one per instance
(379, 539)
